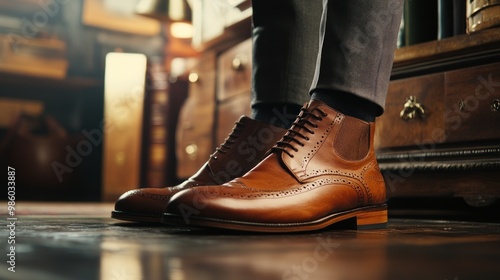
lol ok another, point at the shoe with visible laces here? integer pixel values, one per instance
(245, 146)
(323, 171)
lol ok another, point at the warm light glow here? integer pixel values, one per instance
(181, 30)
(177, 66)
(120, 260)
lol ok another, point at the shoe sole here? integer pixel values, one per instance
(364, 218)
(136, 217)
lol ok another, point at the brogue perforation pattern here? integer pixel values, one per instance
(153, 196)
(357, 176)
(367, 189)
(305, 188)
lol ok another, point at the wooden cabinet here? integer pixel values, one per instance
(234, 68)
(445, 140)
(472, 103)
(219, 93)
(196, 120)
(163, 101)
(234, 74)
(403, 126)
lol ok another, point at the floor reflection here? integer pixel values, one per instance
(310, 256)
(99, 248)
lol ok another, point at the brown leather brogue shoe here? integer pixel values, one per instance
(321, 172)
(245, 146)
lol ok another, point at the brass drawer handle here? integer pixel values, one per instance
(461, 105)
(495, 105)
(193, 77)
(411, 109)
(239, 62)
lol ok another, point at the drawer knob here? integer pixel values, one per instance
(193, 77)
(495, 105)
(238, 62)
(411, 109)
(191, 150)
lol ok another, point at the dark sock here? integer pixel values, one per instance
(349, 104)
(278, 114)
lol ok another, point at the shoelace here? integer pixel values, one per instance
(293, 133)
(228, 141)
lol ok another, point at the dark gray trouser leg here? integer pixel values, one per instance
(285, 49)
(355, 40)
(357, 43)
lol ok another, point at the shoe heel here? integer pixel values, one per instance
(372, 218)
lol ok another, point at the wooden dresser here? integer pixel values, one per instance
(439, 136)
(440, 133)
(219, 93)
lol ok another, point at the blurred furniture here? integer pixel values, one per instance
(47, 162)
(163, 101)
(52, 57)
(37, 56)
(219, 93)
(124, 90)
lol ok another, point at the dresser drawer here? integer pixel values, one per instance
(235, 71)
(397, 127)
(472, 103)
(196, 120)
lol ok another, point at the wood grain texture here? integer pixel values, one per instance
(393, 131)
(448, 47)
(470, 94)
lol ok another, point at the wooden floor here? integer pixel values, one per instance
(79, 241)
